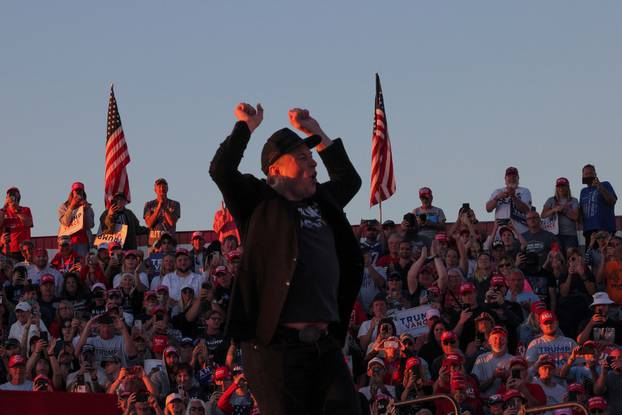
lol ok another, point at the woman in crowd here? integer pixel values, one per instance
(566, 208)
(80, 240)
(431, 349)
(75, 292)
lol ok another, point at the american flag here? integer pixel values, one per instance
(117, 156)
(382, 178)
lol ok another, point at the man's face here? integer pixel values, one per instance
(452, 257)
(516, 281)
(507, 238)
(379, 308)
(197, 244)
(497, 342)
(17, 373)
(103, 255)
(47, 289)
(182, 262)
(105, 330)
(161, 189)
(588, 172)
(601, 309)
(27, 252)
(213, 322)
(533, 220)
(545, 372)
(449, 346)
(549, 328)
(298, 169)
(223, 279)
(394, 243)
(405, 250)
(470, 298)
(426, 200)
(376, 370)
(184, 379)
(130, 262)
(22, 316)
(371, 233)
(41, 259)
(511, 180)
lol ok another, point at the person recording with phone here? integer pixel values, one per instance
(430, 219)
(15, 224)
(118, 214)
(609, 382)
(597, 202)
(511, 202)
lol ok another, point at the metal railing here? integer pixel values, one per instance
(539, 409)
(428, 399)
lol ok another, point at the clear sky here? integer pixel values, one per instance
(470, 88)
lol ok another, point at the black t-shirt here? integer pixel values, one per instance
(611, 330)
(312, 292)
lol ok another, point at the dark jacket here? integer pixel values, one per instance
(268, 226)
(133, 227)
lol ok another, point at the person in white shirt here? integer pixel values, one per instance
(554, 391)
(511, 202)
(17, 375)
(182, 276)
(26, 321)
(491, 367)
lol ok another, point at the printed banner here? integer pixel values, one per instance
(156, 262)
(412, 320)
(117, 235)
(76, 223)
(550, 224)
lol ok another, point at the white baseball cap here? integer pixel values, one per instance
(433, 312)
(172, 397)
(23, 306)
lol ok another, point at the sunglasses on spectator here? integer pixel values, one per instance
(448, 342)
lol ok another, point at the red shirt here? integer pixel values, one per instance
(15, 225)
(65, 264)
(473, 399)
(386, 260)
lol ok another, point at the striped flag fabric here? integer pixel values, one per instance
(382, 178)
(117, 155)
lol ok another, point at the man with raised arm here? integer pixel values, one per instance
(301, 268)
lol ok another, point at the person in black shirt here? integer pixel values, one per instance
(600, 326)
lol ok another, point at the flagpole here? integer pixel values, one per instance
(380, 209)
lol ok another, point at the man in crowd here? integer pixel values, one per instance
(374, 280)
(41, 268)
(182, 276)
(106, 342)
(17, 375)
(198, 253)
(370, 239)
(511, 202)
(404, 261)
(597, 202)
(551, 343)
(490, 367)
(430, 219)
(519, 379)
(304, 265)
(118, 215)
(369, 328)
(601, 327)
(609, 382)
(66, 259)
(554, 391)
(15, 224)
(161, 214)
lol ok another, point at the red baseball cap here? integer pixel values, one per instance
(547, 360)
(197, 234)
(162, 288)
(150, 294)
(181, 251)
(16, 359)
(441, 237)
(518, 360)
(597, 402)
(562, 181)
(170, 350)
(425, 191)
(448, 335)
(467, 287)
(47, 278)
(576, 387)
(412, 361)
(497, 280)
(547, 316)
(538, 307)
(221, 269)
(511, 171)
(77, 186)
(131, 252)
(234, 254)
(453, 359)
(512, 393)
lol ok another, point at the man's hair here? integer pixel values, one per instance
(184, 367)
(211, 313)
(379, 297)
(589, 166)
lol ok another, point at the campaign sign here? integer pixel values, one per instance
(156, 262)
(76, 223)
(118, 234)
(412, 320)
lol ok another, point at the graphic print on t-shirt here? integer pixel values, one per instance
(310, 217)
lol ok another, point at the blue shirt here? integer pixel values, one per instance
(597, 214)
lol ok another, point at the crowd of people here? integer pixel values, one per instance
(520, 316)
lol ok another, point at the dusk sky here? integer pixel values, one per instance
(470, 88)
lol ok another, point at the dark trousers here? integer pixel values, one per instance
(291, 377)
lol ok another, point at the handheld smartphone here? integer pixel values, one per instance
(572, 396)
(466, 307)
(515, 374)
(44, 335)
(588, 180)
